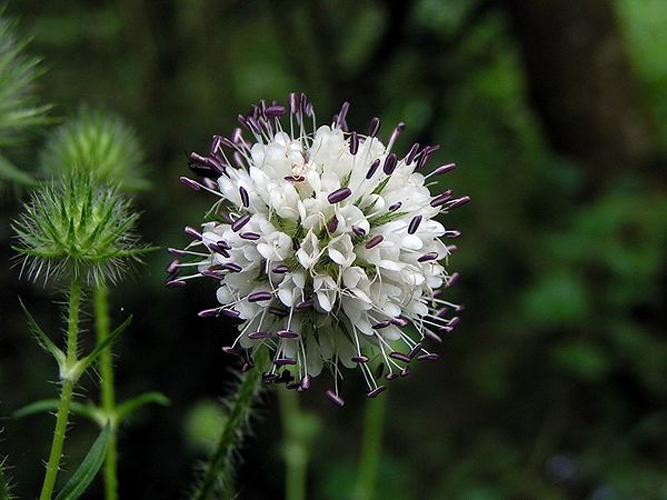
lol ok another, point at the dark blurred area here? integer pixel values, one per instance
(552, 386)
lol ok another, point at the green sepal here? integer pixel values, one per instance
(89, 467)
(45, 405)
(9, 172)
(42, 338)
(84, 363)
(129, 406)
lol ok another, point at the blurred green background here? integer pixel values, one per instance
(554, 384)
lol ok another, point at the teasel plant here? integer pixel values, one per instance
(80, 228)
(327, 249)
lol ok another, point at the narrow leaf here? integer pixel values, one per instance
(42, 337)
(46, 405)
(88, 360)
(88, 468)
(133, 404)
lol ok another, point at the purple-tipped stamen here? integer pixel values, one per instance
(259, 296)
(399, 356)
(250, 235)
(415, 350)
(400, 127)
(358, 231)
(258, 335)
(240, 222)
(394, 206)
(332, 225)
(305, 382)
(381, 324)
(284, 361)
(287, 334)
(175, 283)
(458, 202)
(354, 143)
(399, 321)
(294, 178)
(245, 197)
(230, 313)
(176, 252)
(232, 267)
(172, 267)
(431, 356)
(444, 169)
(428, 256)
(190, 231)
(374, 127)
(342, 115)
(339, 195)
(208, 273)
(280, 269)
(335, 398)
(391, 376)
(190, 183)
(374, 241)
(373, 168)
(406, 371)
(432, 336)
(278, 311)
(441, 199)
(274, 111)
(409, 158)
(305, 304)
(360, 359)
(451, 280)
(414, 224)
(209, 313)
(376, 391)
(390, 163)
(267, 378)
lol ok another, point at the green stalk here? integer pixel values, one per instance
(68, 380)
(217, 481)
(371, 450)
(296, 437)
(107, 390)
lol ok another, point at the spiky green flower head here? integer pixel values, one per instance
(324, 243)
(19, 108)
(74, 227)
(98, 141)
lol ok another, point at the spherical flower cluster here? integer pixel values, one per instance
(324, 245)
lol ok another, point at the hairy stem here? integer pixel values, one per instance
(107, 390)
(296, 437)
(67, 388)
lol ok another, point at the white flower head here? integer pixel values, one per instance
(324, 245)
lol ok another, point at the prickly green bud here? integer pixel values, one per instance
(76, 227)
(100, 142)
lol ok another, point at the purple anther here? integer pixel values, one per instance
(339, 195)
(452, 233)
(428, 256)
(354, 143)
(431, 356)
(172, 266)
(240, 222)
(230, 350)
(259, 335)
(175, 283)
(390, 163)
(381, 324)
(287, 334)
(395, 206)
(441, 199)
(400, 127)
(284, 361)
(391, 376)
(342, 115)
(444, 168)
(399, 356)
(232, 267)
(251, 236)
(374, 127)
(414, 224)
(215, 144)
(214, 247)
(304, 304)
(335, 398)
(452, 248)
(409, 158)
(373, 168)
(237, 158)
(458, 202)
(305, 382)
(293, 100)
(208, 313)
(230, 313)
(176, 252)
(358, 231)
(399, 321)
(332, 225)
(190, 231)
(374, 241)
(197, 158)
(267, 378)
(280, 269)
(259, 296)
(453, 322)
(207, 273)
(245, 198)
(278, 311)
(427, 152)
(406, 371)
(294, 178)
(432, 336)
(452, 279)
(274, 111)
(415, 350)
(360, 359)
(190, 183)
(376, 391)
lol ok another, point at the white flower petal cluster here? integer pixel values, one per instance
(324, 244)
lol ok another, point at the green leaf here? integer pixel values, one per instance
(131, 405)
(46, 405)
(88, 468)
(42, 337)
(88, 360)
(9, 172)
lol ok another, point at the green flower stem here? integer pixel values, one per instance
(296, 437)
(218, 474)
(68, 380)
(371, 451)
(107, 390)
